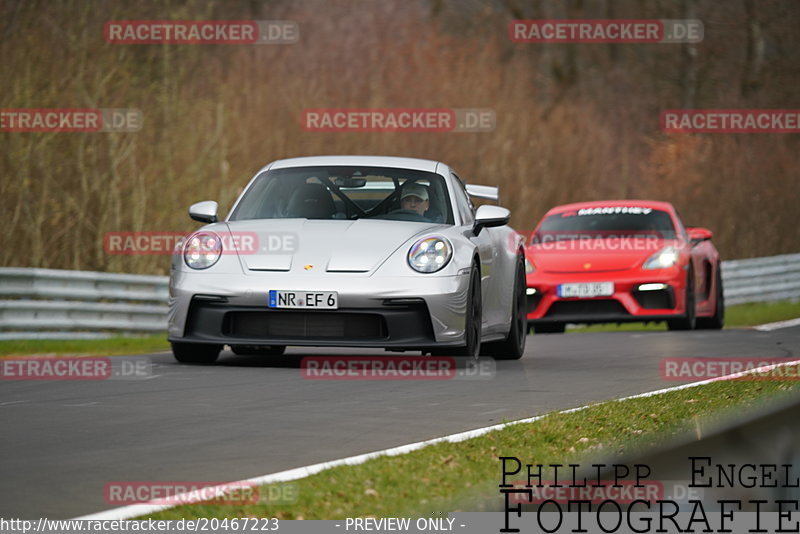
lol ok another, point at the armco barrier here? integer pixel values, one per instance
(49, 303)
(751, 458)
(761, 279)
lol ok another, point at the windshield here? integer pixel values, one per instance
(339, 192)
(605, 222)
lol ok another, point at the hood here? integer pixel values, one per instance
(595, 255)
(323, 245)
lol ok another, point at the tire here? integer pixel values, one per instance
(473, 318)
(689, 320)
(549, 328)
(716, 321)
(250, 350)
(201, 353)
(513, 346)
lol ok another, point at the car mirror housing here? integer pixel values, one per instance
(698, 234)
(205, 211)
(490, 216)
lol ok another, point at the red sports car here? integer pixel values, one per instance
(622, 261)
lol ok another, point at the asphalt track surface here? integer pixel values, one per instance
(62, 441)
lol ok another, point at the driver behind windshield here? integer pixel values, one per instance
(415, 198)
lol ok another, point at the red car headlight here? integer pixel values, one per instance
(664, 258)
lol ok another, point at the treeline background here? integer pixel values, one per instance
(574, 121)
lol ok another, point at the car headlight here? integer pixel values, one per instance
(202, 250)
(666, 257)
(430, 254)
(529, 268)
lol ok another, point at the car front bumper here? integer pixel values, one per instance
(398, 312)
(627, 304)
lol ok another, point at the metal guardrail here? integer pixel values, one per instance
(761, 279)
(49, 303)
(56, 304)
(763, 436)
(678, 472)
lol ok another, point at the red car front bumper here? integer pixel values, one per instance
(630, 302)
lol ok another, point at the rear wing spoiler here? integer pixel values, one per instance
(487, 192)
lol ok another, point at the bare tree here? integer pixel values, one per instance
(689, 61)
(754, 53)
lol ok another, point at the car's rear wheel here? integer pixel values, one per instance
(716, 321)
(688, 321)
(202, 353)
(513, 347)
(252, 350)
(549, 328)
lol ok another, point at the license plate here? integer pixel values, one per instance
(316, 300)
(586, 290)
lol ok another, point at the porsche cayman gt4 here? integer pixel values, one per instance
(622, 261)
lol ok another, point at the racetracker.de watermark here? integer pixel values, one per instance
(565, 491)
(70, 120)
(398, 120)
(745, 368)
(156, 243)
(396, 368)
(201, 32)
(606, 31)
(121, 493)
(730, 120)
(598, 241)
(73, 368)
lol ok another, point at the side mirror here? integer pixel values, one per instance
(489, 217)
(698, 234)
(205, 211)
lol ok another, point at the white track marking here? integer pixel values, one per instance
(134, 510)
(769, 327)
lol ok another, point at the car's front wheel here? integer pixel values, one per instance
(251, 350)
(687, 322)
(473, 317)
(716, 321)
(513, 347)
(202, 353)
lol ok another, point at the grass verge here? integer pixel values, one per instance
(741, 315)
(464, 476)
(106, 347)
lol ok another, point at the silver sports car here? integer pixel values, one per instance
(356, 251)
